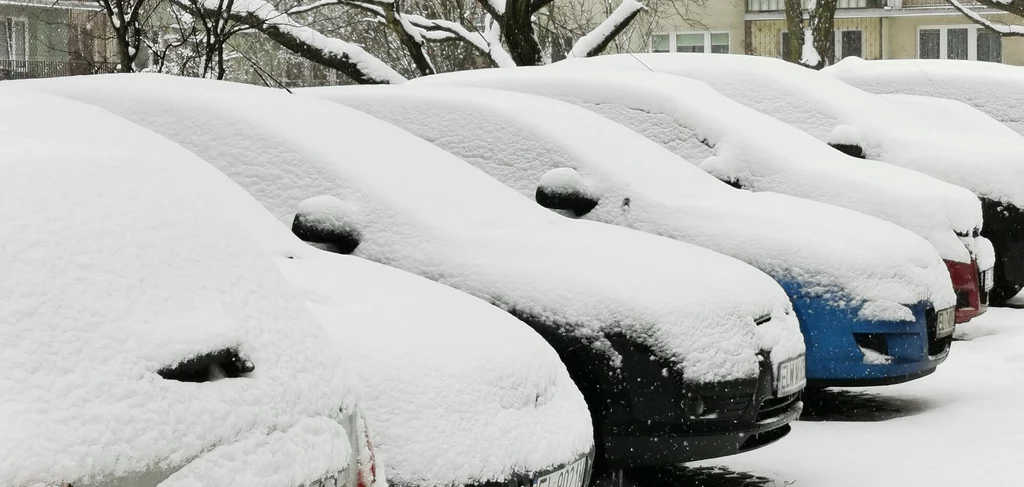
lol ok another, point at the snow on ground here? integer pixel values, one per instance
(430, 213)
(736, 143)
(831, 252)
(957, 427)
(819, 104)
(995, 89)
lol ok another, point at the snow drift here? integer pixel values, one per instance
(993, 88)
(457, 391)
(425, 211)
(117, 268)
(752, 150)
(525, 140)
(823, 107)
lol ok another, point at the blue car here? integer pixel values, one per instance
(874, 300)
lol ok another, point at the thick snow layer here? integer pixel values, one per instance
(985, 253)
(736, 143)
(524, 140)
(116, 265)
(817, 103)
(957, 427)
(955, 115)
(430, 213)
(457, 391)
(993, 88)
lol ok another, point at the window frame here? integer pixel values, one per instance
(672, 45)
(838, 42)
(972, 40)
(18, 64)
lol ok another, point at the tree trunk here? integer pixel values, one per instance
(795, 31)
(517, 29)
(823, 21)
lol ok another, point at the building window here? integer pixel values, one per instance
(928, 44)
(660, 43)
(956, 44)
(13, 39)
(689, 42)
(714, 42)
(990, 46)
(849, 43)
(966, 42)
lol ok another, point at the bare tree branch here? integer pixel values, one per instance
(1003, 29)
(345, 57)
(598, 40)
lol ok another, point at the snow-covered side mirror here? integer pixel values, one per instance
(846, 139)
(564, 189)
(329, 221)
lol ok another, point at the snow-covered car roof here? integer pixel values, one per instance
(118, 271)
(738, 144)
(425, 211)
(994, 88)
(954, 115)
(830, 251)
(835, 112)
(456, 391)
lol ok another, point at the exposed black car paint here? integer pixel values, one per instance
(646, 414)
(198, 368)
(342, 240)
(579, 203)
(1004, 226)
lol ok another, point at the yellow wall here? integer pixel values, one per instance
(765, 36)
(719, 16)
(902, 32)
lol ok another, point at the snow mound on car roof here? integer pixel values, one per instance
(461, 393)
(736, 143)
(427, 212)
(993, 88)
(456, 391)
(817, 104)
(115, 266)
(828, 250)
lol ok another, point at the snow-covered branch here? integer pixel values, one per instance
(598, 39)
(997, 27)
(348, 58)
(487, 43)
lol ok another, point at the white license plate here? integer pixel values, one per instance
(988, 279)
(792, 376)
(947, 323)
(572, 475)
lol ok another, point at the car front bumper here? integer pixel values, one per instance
(836, 339)
(971, 297)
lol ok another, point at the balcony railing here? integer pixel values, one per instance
(51, 69)
(779, 5)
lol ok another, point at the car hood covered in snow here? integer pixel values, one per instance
(737, 144)
(456, 391)
(993, 88)
(828, 251)
(425, 211)
(835, 112)
(117, 268)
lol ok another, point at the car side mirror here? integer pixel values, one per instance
(846, 139)
(564, 189)
(328, 221)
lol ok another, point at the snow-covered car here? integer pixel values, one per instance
(145, 341)
(862, 288)
(869, 127)
(680, 352)
(753, 151)
(995, 89)
(456, 392)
